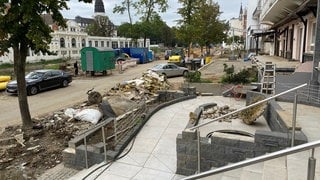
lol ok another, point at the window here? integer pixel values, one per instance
(96, 44)
(62, 43)
(114, 44)
(83, 43)
(102, 43)
(313, 36)
(90, 43)
(73, 42)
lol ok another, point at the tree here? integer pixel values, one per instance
(125, 6)
(187, 30)
(147, 8)
(22, 28)
(101, 26)
(209, 28)
(200, 22)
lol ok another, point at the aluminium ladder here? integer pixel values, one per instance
(268, 80)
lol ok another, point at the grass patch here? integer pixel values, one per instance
(7, 68)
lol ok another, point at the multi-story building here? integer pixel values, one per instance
(67, 42)
(238, 25)
(282, 28)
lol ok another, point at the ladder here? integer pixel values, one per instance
(268, 80)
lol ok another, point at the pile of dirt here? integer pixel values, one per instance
(28, 154)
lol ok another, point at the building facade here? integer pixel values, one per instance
(282, 28)
(67, 42)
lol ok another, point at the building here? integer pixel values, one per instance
(67, 42)
(238, 25)
(237, 28)
(282, 28)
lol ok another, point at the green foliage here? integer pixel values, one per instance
(6, 65)
(245, 76)
(125, 6)
(200, 22)
(193, 76)
(228, 70)
(102, 26)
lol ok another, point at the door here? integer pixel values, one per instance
(89, 60)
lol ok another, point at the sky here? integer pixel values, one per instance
(229, 8)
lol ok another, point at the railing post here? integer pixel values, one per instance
(104, 144)
(85, 151)
(294, 119)
(311, 166)
(199, 154)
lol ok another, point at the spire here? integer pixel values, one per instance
(99, 8)
(241, 12)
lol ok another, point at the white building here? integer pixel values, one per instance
(282, 28)
(67, 42)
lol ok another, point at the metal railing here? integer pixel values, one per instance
(123, 125)
(284, 152)
(309, 94)
(255, 160)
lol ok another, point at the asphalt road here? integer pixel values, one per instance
(50, 101)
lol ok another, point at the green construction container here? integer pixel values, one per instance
(95, 59)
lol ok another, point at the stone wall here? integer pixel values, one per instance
(223, 148)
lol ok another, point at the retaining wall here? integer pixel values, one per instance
(74, 155)
(221, 148)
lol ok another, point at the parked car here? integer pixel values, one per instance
(40, 80)
(170, 70)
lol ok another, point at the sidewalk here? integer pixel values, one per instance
(153, 155)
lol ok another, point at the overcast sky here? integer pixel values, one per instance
(229, 9)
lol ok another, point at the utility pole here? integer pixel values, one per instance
(316, 55)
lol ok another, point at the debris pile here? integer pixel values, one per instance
(27, 154)
(216, 111)
(144, 88)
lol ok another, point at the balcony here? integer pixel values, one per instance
(275, 11)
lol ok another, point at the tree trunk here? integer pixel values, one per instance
(20, 54)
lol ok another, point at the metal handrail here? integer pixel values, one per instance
(259, 159)
(246, 107)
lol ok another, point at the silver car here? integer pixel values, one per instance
(170, 70)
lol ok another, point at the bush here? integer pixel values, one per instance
(194, 76)
(245, 76)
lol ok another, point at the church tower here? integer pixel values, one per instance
(241, 12)
(99, 8)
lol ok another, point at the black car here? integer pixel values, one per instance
(40, 80)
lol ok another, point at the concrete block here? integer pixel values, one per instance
(188, 135)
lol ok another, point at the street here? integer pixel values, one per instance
(50, 101)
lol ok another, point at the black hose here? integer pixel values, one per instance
(109, 163)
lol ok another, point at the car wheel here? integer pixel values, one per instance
(65, 83)
(185, 73)
(33, 90)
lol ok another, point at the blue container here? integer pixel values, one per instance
(150, 55)
(141, 53)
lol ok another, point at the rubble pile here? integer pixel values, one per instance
(144, 88)
(216, 111)
(29, 153)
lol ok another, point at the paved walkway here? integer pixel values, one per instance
(153, 155)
